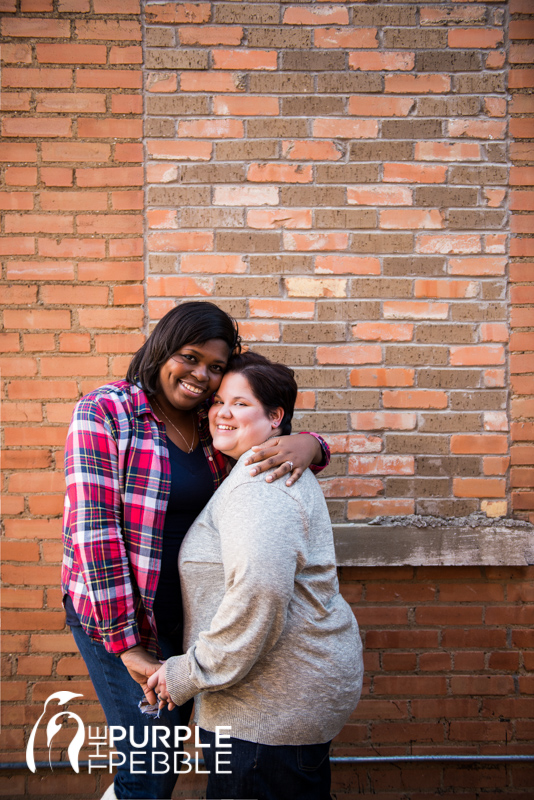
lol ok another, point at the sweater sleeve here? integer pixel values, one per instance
(95, 512)
(261, 534)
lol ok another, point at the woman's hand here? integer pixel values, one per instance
(140, 664)
(291, 455)
(158, 683)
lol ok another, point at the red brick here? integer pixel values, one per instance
(280, 173)
(445, 289)
(109, 29)
(414, 173)
(410, 685)
(34, 28)
(494, 332)
(212, 263)
(382, 377)
(57, 176)
(18, 367)
(110, 128)
(162, 286)
(393, 309)
(74, 343)
(245, 196)
(181, 150)
(109, 78)
(447, 151)
(315, 241)
(110, 317)
(334, 15)
(19, 152)
(479, 38)
(381, 465)
(109, 223)
(479, 487)
(36, 78)
(20, 176)
(279, 218)
(367, 509)
(292, 309)
(482, 684)
(127, 104)
(73, 201)
(359, 105)
(473, 443)
(16, 52)
(417, 84)
(16, 201)
(306, 150)
(245, 59)
(210, 81)
(70, 53)
(476, 355)
(345, 37)
(334, 128)
(383, 331)
(110, 176)
(70, 102)
(407, 218)
(351, 487)
(388, 60)
(15, 101)
(349, 354)
(211, 128)
(126, 55)
(246, 106)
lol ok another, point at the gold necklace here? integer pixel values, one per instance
(163, 414)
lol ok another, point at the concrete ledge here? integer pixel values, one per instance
(395, 546)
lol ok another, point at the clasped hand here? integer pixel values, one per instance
(149, 673)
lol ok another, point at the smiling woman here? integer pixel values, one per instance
(273, 650)
(140, 466)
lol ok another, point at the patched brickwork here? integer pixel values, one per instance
(336, 177)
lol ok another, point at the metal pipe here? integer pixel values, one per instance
(17, 765)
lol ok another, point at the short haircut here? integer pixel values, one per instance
(273, 384)
(189, 323)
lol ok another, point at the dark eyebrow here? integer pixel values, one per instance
(197, 353)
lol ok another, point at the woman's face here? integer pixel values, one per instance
(237, 418)
(193, 373)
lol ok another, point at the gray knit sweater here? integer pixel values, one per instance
(273, 650)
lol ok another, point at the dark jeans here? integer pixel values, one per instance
(266, 772)
(119, 696)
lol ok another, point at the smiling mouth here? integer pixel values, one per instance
(225, 428)
(191, 388)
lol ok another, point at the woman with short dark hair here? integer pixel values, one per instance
(140, 466)
(273, 650)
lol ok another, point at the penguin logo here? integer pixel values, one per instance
(53, 727)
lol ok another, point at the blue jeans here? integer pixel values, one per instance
(266, 772)
(119, 696)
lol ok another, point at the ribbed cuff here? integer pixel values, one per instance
(179, 685)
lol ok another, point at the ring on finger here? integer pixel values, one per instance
(290, 465)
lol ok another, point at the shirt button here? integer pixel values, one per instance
(210, 458)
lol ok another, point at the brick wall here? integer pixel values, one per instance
(351, 181)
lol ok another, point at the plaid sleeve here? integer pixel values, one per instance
(326, 453)
(93, 494)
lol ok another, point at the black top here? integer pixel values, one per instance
(191, 488)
